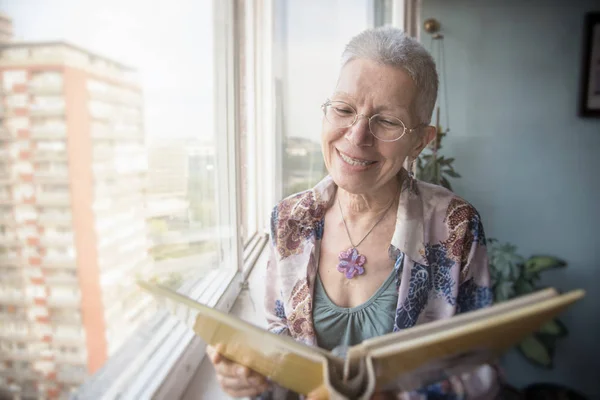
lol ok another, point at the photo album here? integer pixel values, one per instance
(405, 360)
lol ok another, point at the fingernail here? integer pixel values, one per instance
(241, 370)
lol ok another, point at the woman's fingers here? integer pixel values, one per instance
(237, 384)
(230, 369)
(235, 379)
(250, 392)
(321, 393)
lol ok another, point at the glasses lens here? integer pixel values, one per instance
(340, 114)
(386, 127)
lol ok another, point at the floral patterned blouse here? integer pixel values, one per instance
(441, 268)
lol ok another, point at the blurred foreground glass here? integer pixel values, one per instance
(109, 172)
(307, 50)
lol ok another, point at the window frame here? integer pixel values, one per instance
(162, 356)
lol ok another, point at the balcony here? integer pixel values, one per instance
(5, 134)
(48, 132)
(9, 258)
(22, 374)
(71, 359)
(59, 263)
(46, 111)
(53, 199)
(50, 155)
(57, 239)
(22, 355)
(8, 239)
(4, 154)
(5, 200)
(12, 297)
(6, 219)
(63, 301)
(58, 176)
(41, 87)
(55, 219)
(4, 174)
(60, 316)
(71, 377)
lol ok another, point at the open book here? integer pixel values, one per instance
(404, 360)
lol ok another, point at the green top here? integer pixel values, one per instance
(338, 326)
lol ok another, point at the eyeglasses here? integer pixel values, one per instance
(384, 127)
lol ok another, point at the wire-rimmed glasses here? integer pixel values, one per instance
(386, 128)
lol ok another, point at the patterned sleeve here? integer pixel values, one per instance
(474, 292)
(274, 307)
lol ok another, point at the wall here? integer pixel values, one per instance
(529, 164)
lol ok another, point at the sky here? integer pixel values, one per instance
(170, 43)
(171, 47)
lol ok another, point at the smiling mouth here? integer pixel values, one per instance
(355, 161)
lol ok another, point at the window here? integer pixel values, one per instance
(13, 77)
(16, 100)
(146, 184)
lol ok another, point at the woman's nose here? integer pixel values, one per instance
(359, 133)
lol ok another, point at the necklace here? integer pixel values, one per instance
(351, 261)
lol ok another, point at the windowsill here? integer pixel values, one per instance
(161, 358)
(249, 307)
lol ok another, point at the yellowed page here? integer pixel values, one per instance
(358, 352)
(289, 363)
(458, 320)
(408, 363)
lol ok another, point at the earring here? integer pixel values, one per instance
(411, 174)
(411, 169)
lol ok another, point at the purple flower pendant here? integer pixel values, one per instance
(351, 263)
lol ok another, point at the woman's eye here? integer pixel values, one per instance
(343, 111)
(388, 123)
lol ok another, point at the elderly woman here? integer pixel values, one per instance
(370, 250)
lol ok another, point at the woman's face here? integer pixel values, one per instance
(357, 161)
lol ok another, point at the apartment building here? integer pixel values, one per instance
(168, 161)
(72, 226)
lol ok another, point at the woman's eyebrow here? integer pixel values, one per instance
(390, 108)
(344, 94)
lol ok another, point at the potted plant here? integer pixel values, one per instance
(512, 275)
(431, 166)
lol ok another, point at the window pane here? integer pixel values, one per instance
(310, 36)
(108, 172)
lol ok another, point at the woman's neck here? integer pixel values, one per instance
(358, 207)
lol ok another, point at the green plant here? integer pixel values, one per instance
(433, 168)
(512, 275)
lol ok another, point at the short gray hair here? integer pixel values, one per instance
(391, 46)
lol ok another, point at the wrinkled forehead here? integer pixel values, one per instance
(369, 83)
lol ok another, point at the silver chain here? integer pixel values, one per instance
(373, 227)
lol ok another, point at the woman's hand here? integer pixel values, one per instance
(236, 380)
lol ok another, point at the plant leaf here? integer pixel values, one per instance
(554, 328)
(451, 173)
(523, 286)
(504, 291)
(536, 351)
(445, 183)
(537, 264)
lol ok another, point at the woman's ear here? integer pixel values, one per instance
(424, 137)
